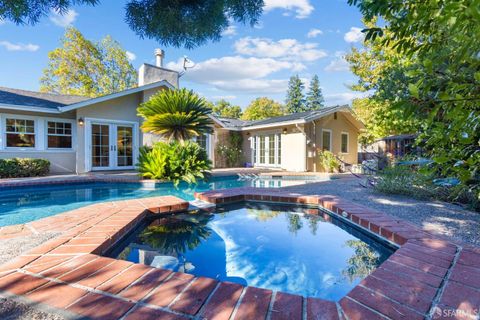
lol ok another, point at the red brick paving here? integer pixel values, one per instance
(425, 274)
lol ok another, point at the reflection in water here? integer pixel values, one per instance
(362, 263)
(259, 247)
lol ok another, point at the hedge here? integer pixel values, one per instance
(23, 167)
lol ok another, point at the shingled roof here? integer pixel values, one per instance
(37, 99)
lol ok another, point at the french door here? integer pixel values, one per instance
(266, 150)
(112, 146)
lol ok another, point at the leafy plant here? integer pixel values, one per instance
(262, 108)
(223, 108)
(231, 152)
(174, 162)
(328, 161)
(176, 115)
(405, 181)
(23, 167)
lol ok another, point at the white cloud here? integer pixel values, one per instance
(301, 8)
(313, 33)
(63, 19)
(230, 31)
(230, 97)
(131, 56)
(343, 97)
(19, 46)
(239, 74)
(338, 64)
(354, 35)
(284, 49)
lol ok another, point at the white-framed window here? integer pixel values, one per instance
(19, 132)
(59, 134)
(344, 142)
(327, 140)
(266, 150)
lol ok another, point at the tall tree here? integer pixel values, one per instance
(223, 108)
(262, 108)
(177, 115)
(187, 23)
(295, 98)
(81, 67)
(442, 84)
(315, 98)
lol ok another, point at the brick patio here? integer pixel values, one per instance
(424, 275)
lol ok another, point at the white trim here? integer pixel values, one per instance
(348, 142)
(275, 124)
(74, 133)
(85, 103)
(28, 108)
(331, 139)
(112, 124)
(267, 151)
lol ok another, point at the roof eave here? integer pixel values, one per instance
(123, 93)
(28, 108)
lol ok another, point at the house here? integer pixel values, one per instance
(391, 147)
(78, 134)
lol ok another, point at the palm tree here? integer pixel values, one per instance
(176, 115)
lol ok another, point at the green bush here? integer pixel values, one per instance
(231, 152)
(328, 161)
(23, 167)
(174, 162)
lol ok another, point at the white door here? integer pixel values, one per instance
(112, 146)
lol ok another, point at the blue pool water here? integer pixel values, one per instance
(276, 248)
(22, 205)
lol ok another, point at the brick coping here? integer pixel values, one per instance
(423, 276)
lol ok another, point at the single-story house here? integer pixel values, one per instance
(79, 134)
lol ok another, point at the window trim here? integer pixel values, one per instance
(276, 151)
(3, 122)
(40, 127)
(73, 135)
(348, 142)
(331, 139)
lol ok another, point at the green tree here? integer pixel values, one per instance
(187, 23)
(315, 100)
(223, 108)
(176, 115)
(441, 84)
(295, 99)
(262, 108)
(81, 67)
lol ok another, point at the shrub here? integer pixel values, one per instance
(23, 167)
(406, 181)
(231, 152)
(328, 161)
(174, 162)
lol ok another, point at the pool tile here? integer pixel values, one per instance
(145, 313)
(87, 270)
(145, 285)
(100, 307)
(222, 302)
(194, 296)
(254, 304)
(58, 295)
(164, 294)
(69, 266)
(461, 297)
(319, 309)
(398, 257)
(387, 307)
(46, 262)
(105, 274)
(287, 307)
(412, 273)
(20, 283)
(123, 280)
(355, 311)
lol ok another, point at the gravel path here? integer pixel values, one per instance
(434, 216)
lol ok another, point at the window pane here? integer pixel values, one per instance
(279, 148)
(64, 142)
(254, 150)
(271, 149)
(326, 140)
(344, 143)
(262, 149)
(20, 140)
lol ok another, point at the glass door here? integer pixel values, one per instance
(101, 146)
(124, 147)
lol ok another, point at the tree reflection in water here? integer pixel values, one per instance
(263, 215)
(295, 223)
(362, 263)
(176, 235)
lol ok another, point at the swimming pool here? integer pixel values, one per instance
(279, 248)
(24, 204)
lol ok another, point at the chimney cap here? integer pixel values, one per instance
(159, 51)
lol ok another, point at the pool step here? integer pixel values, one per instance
(201, 205)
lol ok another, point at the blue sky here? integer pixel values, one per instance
(301, 37)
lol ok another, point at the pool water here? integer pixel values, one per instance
(276, 248)
(24, 204)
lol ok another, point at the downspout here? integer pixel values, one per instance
(305, 146)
